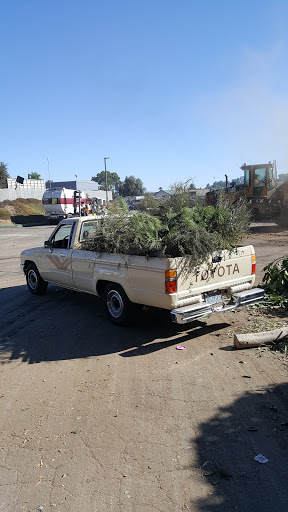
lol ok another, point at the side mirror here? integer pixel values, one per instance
(48, 244)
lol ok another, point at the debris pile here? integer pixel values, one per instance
(174, 227)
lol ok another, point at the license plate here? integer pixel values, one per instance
(213, 299)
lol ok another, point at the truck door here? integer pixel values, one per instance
(56, 257)
(83, 261)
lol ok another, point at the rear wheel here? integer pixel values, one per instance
(117, 304)
(34, 281)
(281, 219)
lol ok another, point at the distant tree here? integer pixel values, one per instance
(113, 181)
(131, 186)
(181, 186)
(238, 181)
(283, 177)
(218, 184)
(3, 175)
(181, 195)
(34, 176)
(192, 185)
(222, 184)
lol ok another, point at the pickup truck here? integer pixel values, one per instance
(224, 283)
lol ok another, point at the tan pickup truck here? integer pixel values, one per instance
(223, 284)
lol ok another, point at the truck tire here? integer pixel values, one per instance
(34, 281)
(117, 305)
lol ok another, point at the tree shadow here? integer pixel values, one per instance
(68, 325)
(255, 423)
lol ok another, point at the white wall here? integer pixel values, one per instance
(12, 194)
(34, 193)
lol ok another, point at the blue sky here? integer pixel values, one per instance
(168, 90)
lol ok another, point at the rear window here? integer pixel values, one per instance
(87, 231)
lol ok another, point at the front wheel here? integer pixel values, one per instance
(34, 281)
(117, 304)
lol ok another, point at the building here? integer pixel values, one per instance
(27, 184)
(163, 194)
(196, 194)
(74, 185)
(91, 188)
(199, 194)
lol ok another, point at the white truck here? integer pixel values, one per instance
(223, 284)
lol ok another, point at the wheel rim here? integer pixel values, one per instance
(115, 304)
(32, 279)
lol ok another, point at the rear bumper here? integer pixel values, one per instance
(190, 313)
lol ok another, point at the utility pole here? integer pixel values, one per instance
(106, 180)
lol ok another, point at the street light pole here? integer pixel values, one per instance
(106, 181)
(49, 172)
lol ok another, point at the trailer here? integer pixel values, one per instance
(62, 203)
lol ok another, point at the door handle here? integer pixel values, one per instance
(63, 255)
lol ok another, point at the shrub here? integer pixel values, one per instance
(276, 281)
(118, 205)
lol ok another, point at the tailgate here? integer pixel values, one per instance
(232, 270)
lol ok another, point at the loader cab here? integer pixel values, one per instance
(259, 180)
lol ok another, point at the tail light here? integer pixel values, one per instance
(170, 281)
(253, 264)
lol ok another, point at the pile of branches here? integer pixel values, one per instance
(173, 227)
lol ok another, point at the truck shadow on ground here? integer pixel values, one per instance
(268, 227)
(256, 423)
(66, 325)
(29, 220)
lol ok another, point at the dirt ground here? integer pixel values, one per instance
(100, 418)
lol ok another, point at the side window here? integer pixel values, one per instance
(270, 178)
(62, 236)
(87, 231)
(247, 178)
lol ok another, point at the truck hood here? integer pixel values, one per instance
(32, 251)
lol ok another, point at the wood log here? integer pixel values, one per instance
(256, 339)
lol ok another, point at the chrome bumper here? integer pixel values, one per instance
(190, 313)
